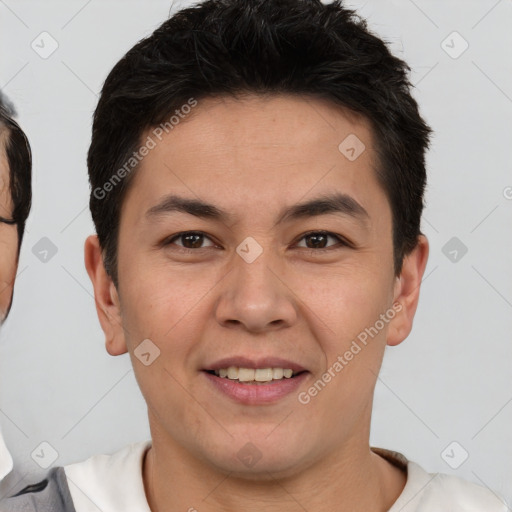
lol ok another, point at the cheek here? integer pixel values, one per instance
(347, 299)
(162, 311)
(159, 302)
(350, 304)
(166, 307)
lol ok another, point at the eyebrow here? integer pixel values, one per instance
(337, 203)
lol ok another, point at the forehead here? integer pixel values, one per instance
(257, 149)
(265, 121)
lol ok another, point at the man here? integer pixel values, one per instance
(257, 174)
(15, 198)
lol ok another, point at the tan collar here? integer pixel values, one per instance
(395, 458)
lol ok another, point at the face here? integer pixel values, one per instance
(260, 283)
(8, 238)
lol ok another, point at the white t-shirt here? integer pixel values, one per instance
(5, 459)
(113, 483)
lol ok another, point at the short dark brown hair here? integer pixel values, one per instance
(231, 47)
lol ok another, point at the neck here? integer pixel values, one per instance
(351, 478)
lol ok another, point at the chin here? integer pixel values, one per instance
(260, 457)
(261, 470)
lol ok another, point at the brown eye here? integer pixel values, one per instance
(319, 240)
(189, 239)
(316, 241)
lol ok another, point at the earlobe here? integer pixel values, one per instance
(106, 298)
(407, 292)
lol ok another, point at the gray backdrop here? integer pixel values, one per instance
(444, 395)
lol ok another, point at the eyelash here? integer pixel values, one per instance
(342, 242)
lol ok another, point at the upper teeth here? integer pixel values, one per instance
(250, 374)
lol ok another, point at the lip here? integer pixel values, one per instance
(255, 394)
(265, 362)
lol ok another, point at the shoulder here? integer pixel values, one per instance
(456, 492)
(48, 495)
(427, 492)
(110, 481)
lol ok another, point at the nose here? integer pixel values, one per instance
(255, 296)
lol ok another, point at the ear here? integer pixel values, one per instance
(407, 292)
(106, 298)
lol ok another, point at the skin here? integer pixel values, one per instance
(253, 157)
(8, 237)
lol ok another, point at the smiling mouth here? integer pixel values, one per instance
(254, 376)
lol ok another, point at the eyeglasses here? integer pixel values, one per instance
(7, 221)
